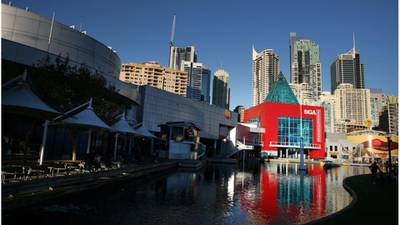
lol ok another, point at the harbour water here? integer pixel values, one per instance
(270, 193)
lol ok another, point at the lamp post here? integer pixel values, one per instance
(389, 140)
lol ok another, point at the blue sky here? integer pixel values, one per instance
(224, 31)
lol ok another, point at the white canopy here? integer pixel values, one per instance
(122, 126)
(18, 97)
(142, 131)
(86, 118)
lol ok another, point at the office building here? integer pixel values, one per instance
(303, 93)
(347, 68)
(393, 113)
(265, 72)
(378, 101)
(388, 118)
(154, 75)
(305, 66)
(352, 106)
(199, 81)
(178, 55)
(327, 101)
(285, 122)
(221, 90)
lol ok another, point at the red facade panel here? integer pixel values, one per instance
(269, 112)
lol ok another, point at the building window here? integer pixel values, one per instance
(255, 121)
(291, 129)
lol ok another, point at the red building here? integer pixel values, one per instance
(286, 123)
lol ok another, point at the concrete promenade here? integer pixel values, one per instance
(27, 193)
(373, 203)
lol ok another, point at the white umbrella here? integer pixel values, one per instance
(146, 133)
(142, 131)
(85, 119)
(121, 126)
(18, 97)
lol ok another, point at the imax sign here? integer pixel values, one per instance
(310, 112)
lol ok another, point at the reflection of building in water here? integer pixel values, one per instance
(334, 185)
(286, 192)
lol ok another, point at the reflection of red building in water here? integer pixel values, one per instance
(293, 195)
(292, 198)
(285, 121)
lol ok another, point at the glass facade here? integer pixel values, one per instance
(280, 92)
(289, 131)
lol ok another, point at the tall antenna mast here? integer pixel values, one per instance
(354, 42)
(171, 43)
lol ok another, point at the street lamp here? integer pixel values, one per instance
(389, 141)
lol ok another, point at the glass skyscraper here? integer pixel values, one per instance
(177, 55)
(347, 68)
(199, 81)
(305, 66)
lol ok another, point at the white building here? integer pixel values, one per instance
(353, 105)
(338, 147)
(177, 55)
(303, 93)
(265, 73)
(327, 101)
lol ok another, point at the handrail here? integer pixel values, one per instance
(293, 144)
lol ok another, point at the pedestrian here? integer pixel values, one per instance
(374, 169)
(387, 166)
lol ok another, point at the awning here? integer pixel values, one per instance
(123, 126)
(142, 131)
(86, 118)
(18, 98)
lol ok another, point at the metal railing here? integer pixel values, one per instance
(293, 145)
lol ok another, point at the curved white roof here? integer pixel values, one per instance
(142, 131)
(123, 126)
(86, 118)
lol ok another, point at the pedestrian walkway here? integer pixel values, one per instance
(372, 204)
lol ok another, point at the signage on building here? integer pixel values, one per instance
(310, 112)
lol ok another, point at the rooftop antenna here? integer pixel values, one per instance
(171, 44)
(354, 41)
(173, 31)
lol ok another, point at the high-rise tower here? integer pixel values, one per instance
(177, 54)
(199, 81)
(305, 66)
(347, 68)
(221, 89)
(265, 73)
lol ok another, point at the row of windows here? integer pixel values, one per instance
(290, 130)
